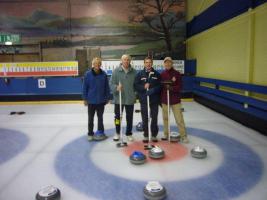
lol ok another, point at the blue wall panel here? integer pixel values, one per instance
(29, 86)
(220, 12)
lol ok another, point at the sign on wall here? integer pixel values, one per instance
(31, 69)
(9, 38)
(41, 83)
(110, 65)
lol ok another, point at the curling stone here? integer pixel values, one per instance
(48, 193)
(100, 135)
(174, 137)
(154, 191)
(156, 153)
(199, 152)
(139, 127)
(137, 158)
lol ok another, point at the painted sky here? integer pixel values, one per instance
(79, 8)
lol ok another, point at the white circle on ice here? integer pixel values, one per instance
(114, 161)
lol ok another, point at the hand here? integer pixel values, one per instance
(173, 79)
(167, 86)
(85, 103)
(146, 86)
(119, 87)
(149, 92)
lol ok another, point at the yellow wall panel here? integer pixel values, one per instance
(260, 46)
(220, 51)
(235, 50)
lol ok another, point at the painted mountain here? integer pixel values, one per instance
(112, 35)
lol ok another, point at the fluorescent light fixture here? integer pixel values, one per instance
(8, 43)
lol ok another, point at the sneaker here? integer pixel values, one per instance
(164, 138)
(90, 138)
(184, 140)
(130, 138)
(116, 137)
(145, 140)
(154, 139)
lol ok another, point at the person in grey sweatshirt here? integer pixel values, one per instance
(122, 80)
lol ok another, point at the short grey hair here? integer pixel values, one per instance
(126, 56)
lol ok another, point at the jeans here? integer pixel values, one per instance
(99, 109)
(129, 118)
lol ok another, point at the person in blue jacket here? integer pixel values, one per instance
(96, 94)
(147, 83)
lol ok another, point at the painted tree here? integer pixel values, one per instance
(160, 15)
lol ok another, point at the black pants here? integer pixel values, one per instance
(99, 109)
(154, 109)
(129, 118)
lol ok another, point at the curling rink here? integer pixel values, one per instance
(48, 146)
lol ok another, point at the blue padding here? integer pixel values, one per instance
(234, 97)
(54, 86)
(242, 86)
(256, 107)
(190, 67)
(233, 104)
(219, 12)
(188, 83)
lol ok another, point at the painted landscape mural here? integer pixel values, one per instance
(135, 27)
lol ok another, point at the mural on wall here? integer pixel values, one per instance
(135, 27)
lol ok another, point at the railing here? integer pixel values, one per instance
(224, 92)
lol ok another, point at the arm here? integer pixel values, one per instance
(85, 87)
(157, 88)
(177, 85)
(107, 89)
(113, 82)
(138, 85)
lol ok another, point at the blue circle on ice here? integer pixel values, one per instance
(12, 142)
(241, 169)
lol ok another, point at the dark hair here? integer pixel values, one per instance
(148, 58)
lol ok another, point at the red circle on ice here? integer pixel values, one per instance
(173, 151)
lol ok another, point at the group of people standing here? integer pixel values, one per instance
(126, 80)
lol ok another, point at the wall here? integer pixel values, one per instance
(234, 50)
(116, 27)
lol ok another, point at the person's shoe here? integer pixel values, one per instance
(164, 138)
(90, 138)
(130, 138)
(184, 140)
(145, 140)
(116, 137)
(154, 139)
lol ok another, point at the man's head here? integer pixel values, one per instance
(148, 63)
(96, 63)
(126, 60)
(168, 63)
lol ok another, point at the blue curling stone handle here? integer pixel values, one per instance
(138, 154)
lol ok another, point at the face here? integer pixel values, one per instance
(168, 65)
(125, 61)
(96, 65)
(148, 64)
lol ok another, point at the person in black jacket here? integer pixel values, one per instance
(147, 83)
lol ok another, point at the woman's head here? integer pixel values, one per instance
(96, 63)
